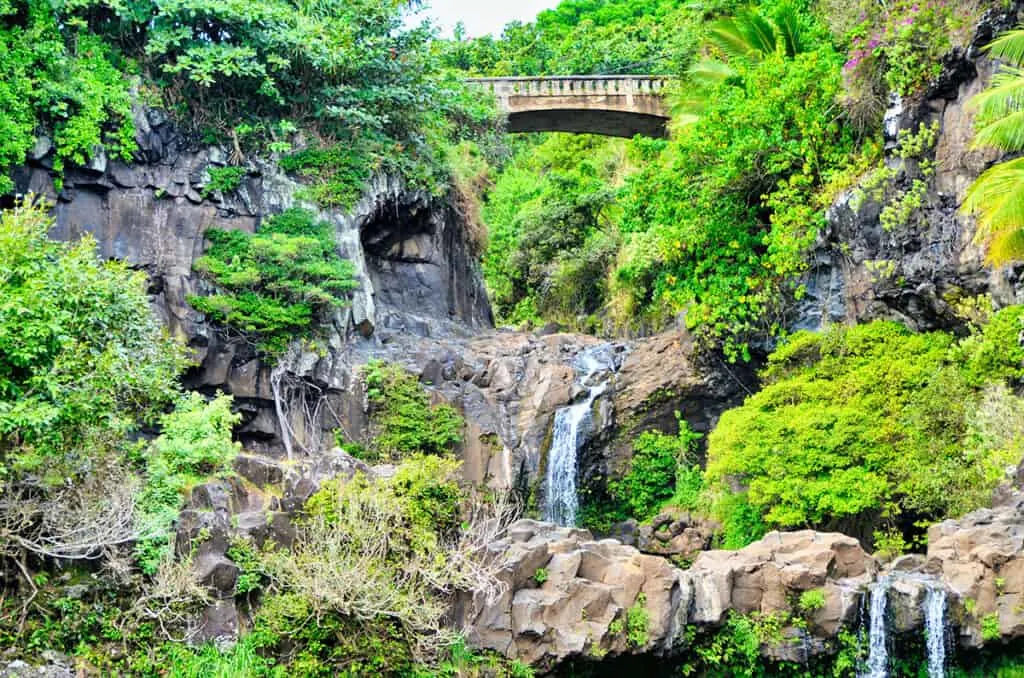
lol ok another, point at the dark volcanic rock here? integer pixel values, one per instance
(916, 272)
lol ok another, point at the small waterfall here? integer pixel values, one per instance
(878, 655)
(935, 631)
(571, 429)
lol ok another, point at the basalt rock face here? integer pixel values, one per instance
(917, 271)
(416, 269)
(569, 596)
(980, 559)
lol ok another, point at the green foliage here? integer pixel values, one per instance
(889, 543)
(57, 77)
(812, 600)
(540, 576)
(735, 650)
(552, 241)
(638, 621)
(990, 627)
(720, 221)
(742, 522)
(864, 423)
(224, 179)
(82, 359)
(242, 552)
(195, 443)
(995, 197)
(653, 475)
(276, 282)
(260, 77)
(340, 172)
(404, 421)
(589, 36)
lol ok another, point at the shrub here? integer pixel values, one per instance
(195, 444)
(224, 179)
(277, 282)
(653, 473)
(392, 551)
(638, 621)
(84, 364)
(403, 420)
(898, 47)
(990, 627)
(812, 600)
(58, 77)
(863, 423)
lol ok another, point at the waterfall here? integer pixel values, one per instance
(571, 429)
(935, 631)
(878, 655)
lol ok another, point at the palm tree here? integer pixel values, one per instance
(748, 36)
(997, 197)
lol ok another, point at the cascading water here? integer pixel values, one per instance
(571, 429)
(878, 654)
(935, 631)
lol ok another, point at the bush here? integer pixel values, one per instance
(391, 551)
(812, 600)
(859, 424)
(654, 471)
(277, 282)
(84, 365)
(403, 420)
(898, 47)
(58, 77)
(195, 444)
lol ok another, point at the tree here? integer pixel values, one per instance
(749, 36)
(997, 196)
(83, 365)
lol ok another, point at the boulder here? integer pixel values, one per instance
(980, 559)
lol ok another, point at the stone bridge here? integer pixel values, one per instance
(619, 106)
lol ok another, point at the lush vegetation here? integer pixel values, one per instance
(359, 77)
(83, 366)
(277, 282)
(404, 421)
(871, 426)
(778, 108)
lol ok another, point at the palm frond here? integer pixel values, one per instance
(710, 72)
(1004, 95)
(726, 35)
(787, 23)
(1009, 47)
(997, 199)
(1006, 246)
(760, 32)
(1006, 133)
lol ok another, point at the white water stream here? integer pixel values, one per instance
(571, 430)
(878, 648)
(935, 631)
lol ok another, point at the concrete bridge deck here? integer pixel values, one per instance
(621, 105)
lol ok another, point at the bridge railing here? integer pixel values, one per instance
(577, 85)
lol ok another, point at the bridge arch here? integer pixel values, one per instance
(621, 106)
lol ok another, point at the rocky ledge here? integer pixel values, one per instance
(569, 596)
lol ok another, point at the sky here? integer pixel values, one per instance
(483, 16)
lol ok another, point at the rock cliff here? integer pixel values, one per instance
(917, 271)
